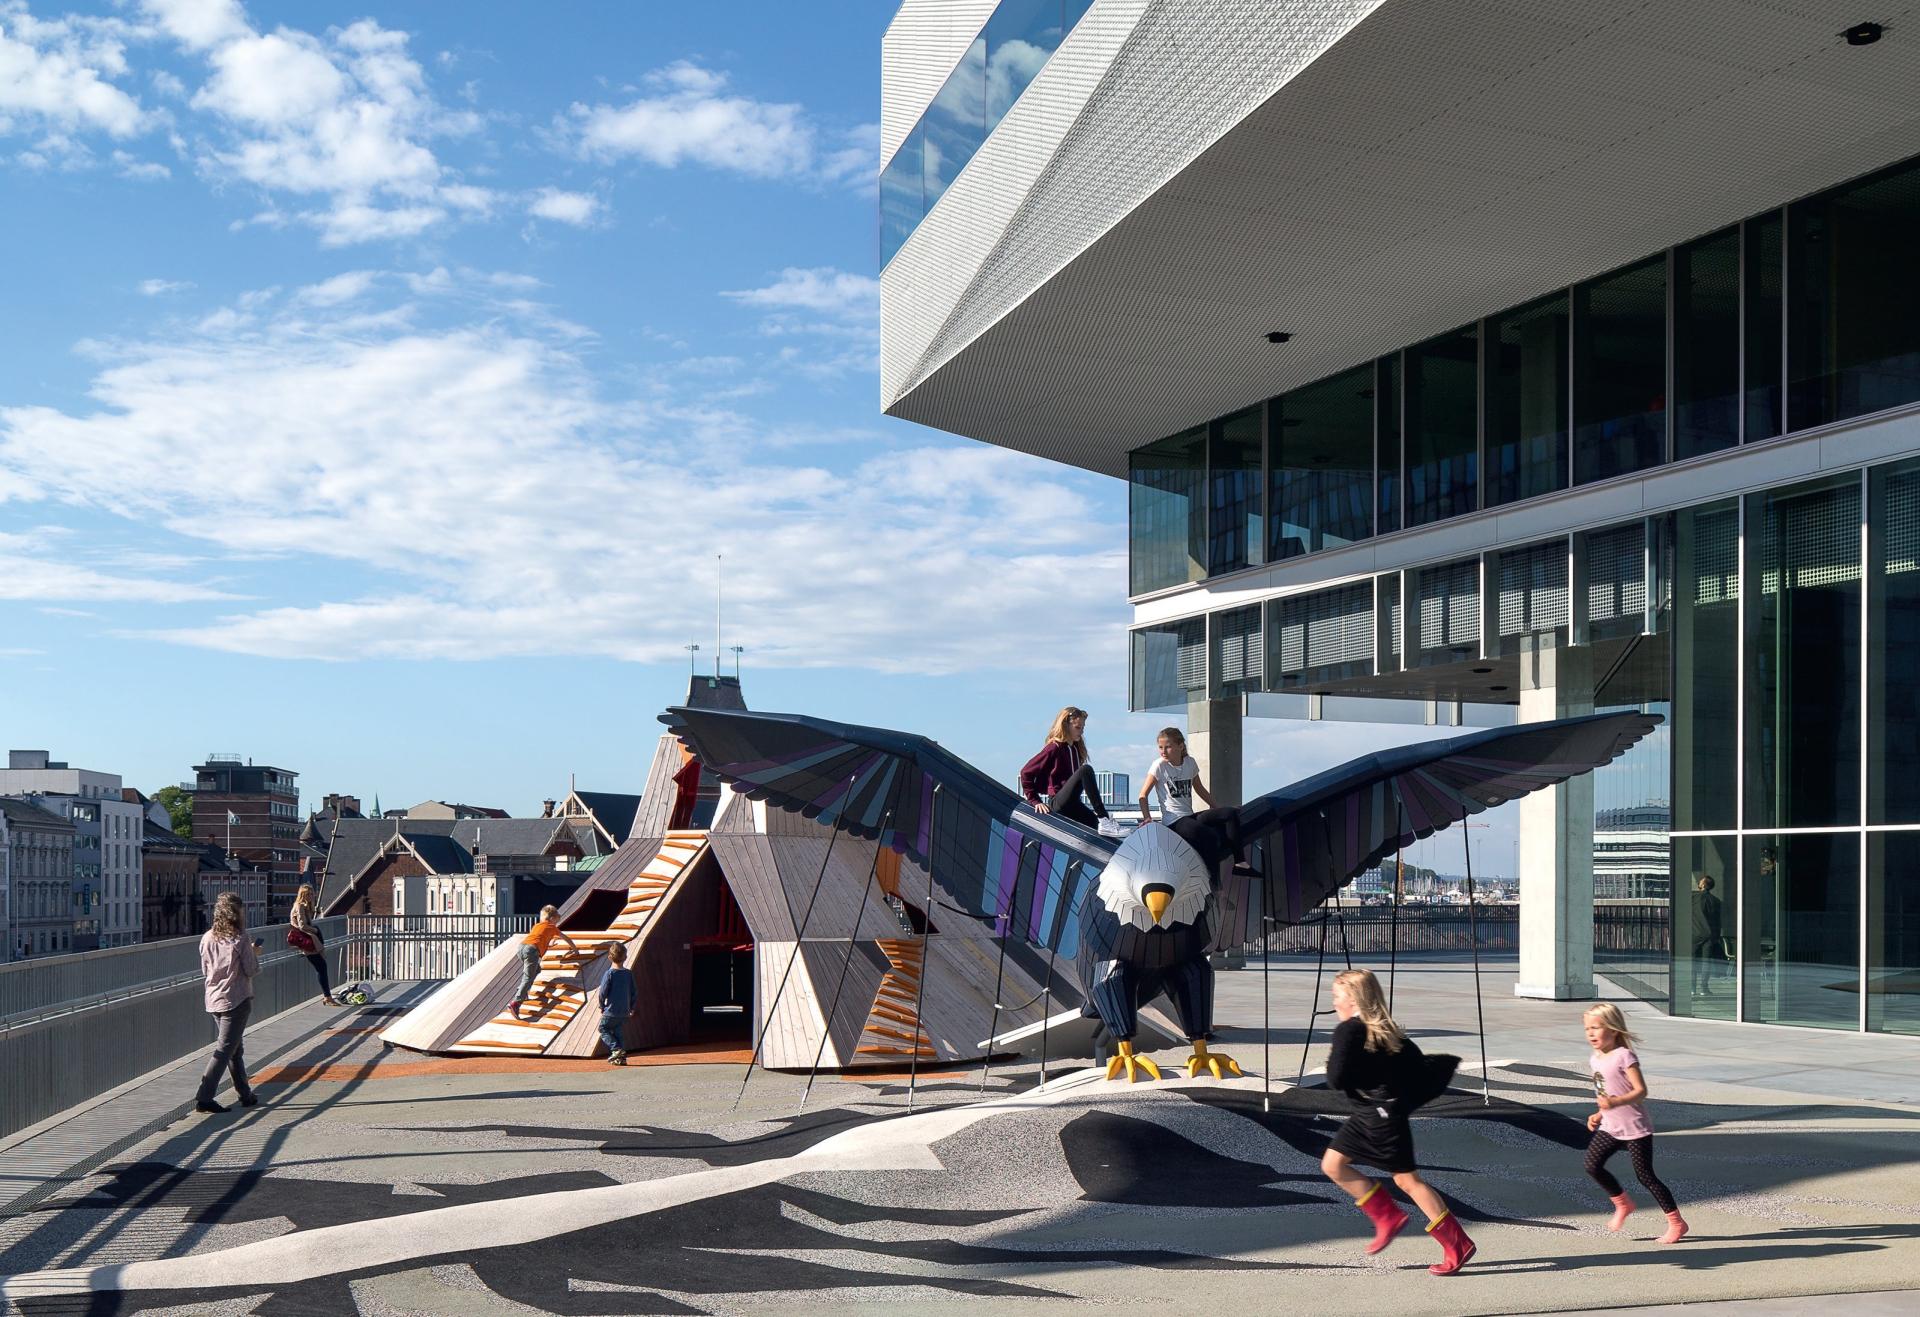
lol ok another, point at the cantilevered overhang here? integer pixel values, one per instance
(1186, 176)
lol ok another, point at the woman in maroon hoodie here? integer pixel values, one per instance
(1055, 779)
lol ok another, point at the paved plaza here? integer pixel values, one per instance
(382, 1182)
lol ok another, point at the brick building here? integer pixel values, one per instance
(254, 810)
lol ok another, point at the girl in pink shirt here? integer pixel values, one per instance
(1620, 1092)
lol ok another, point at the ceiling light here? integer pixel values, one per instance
(1863, 34)
(1281, 336)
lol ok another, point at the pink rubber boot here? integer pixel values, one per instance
(1676, 1229)
(1622, 1209)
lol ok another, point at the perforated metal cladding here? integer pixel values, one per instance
(1532, 589)
(1326, 629)
(1448, 605)
(1900, 522)
(1238, 651)
(1190, 663)
(1616, 574)
(1428, 165)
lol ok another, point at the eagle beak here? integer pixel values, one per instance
(1157, 898)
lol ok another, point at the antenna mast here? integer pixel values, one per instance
(717, 582)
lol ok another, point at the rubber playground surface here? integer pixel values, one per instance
(384, 1183)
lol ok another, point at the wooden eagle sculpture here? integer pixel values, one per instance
(1137, 916)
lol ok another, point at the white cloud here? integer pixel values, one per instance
(496, 489)
(341, 288)
(821, 289)
(141, 171)
(577, 208)
(161, 287)
(54, 76)
(688, 118)
(29, 573)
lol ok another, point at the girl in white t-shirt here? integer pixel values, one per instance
(1620, 1094)
(1177, 778)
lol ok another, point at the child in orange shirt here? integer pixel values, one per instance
(533, 947)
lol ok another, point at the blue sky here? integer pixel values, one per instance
(378, 384)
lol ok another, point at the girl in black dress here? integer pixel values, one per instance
(1386, 1076)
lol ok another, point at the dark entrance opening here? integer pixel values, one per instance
(597, 911)
(723, 976)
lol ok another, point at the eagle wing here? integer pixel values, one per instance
(993, 856)
(1310, 838)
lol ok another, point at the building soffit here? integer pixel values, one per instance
(1359, 179)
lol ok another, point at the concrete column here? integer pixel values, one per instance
(1213, 738)
(1556, 839)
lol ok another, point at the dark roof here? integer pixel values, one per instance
(508, 836)
(158, 838)
(22, 814)
(591, 842)
(356, 841)
(613, 812)
(440, 854)
(714, 693)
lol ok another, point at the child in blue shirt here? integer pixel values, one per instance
(616, 1004)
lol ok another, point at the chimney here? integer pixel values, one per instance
(546, 809)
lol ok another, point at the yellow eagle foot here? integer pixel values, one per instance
(1219, 1064)
(1124, 1061)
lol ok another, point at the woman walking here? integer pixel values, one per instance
(229, 960)
(1620, 1093)
(1054, 780)
(1387, 1077)
(305, 938)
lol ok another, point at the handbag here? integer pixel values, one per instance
(301, 940)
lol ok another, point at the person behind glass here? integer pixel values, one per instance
(1176, 776)
(229, 960)
(1386, 1077)
(304, 937)
(533, 947)
(1707, 946)
(1055, 779)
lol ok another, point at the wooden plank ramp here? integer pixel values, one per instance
(894, 1029)
(559, 993)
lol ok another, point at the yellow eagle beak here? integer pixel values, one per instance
(1157, 903)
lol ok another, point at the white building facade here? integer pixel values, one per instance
(107, 890)
(1473, 363)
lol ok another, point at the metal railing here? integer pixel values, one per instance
(424, 946)
(1373, 930)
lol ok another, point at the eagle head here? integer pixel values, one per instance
(1155, 880)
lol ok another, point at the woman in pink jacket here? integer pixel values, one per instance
(229, 959)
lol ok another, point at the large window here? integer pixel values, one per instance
(1803, 656)
(1893, 931)
(1706, 926)
(1706, 644)
(1706, 344)
(1801, 928)
(1442, 426)
(1530, 595)
(1445, 608)
(1387, 440)
(1893, 651)
(1322, 465)
(1239, 652)
(1167, 512)
(1233, 480)
(1169, 665)
(1764, 331)
(1620, 372)
(1527, 401)
(1853, 335)
(1323, 637)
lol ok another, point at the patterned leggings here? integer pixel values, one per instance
(1604, 1145)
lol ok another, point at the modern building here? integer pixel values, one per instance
(1469, 363)
(252, 810)
(106, 863)
(40, 860)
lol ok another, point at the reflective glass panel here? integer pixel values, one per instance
(1706, 645)
(1387, 429)
(1893, 931)
(1323, 637)
(1765, 328)
(902, 195)
(1893, 649)
(1322, 465)
(1527, 401)
(1529, 588)
(1853, 338)
(1620, 372)
(1706, 344)
(1442, 426)
(1632, 863)
(1233, 481)
(1801, 925)
(1021, 35)
(1167, 514)
(1239, 652)
(1169, 668)
(1706, 926)
(1803, 655)
(956, 123)
(1446, 612)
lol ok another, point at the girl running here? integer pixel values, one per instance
(1387, 1077)
(1620, 1090)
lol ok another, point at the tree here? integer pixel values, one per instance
(179, 806)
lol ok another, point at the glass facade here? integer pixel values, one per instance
(1235, 535)
(1795, 318)
(1167, 511)
(1020, 36)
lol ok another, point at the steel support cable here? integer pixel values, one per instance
(1473, 924)
(926, 956)
(799, 938)
(859, 913)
